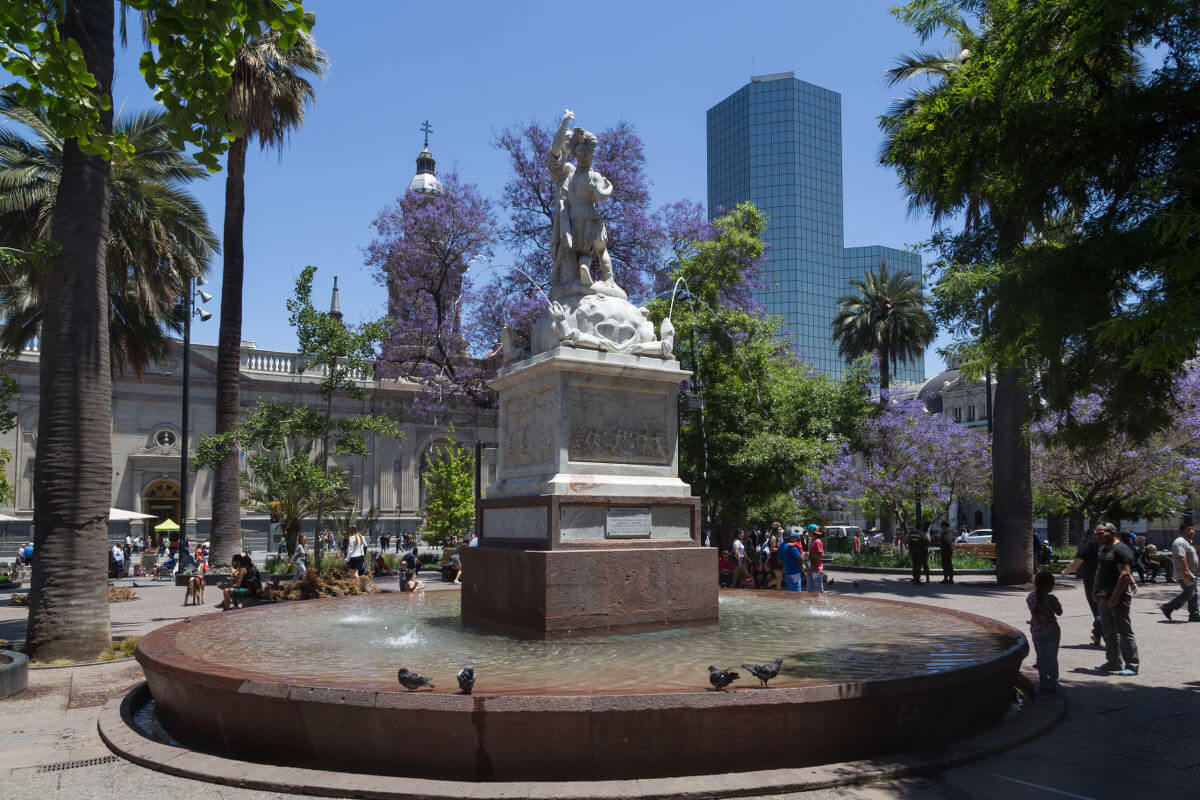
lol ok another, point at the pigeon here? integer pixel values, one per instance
(466, 679)
(411, 680)
(721, 678)
(764, 672)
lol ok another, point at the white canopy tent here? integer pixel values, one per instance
(121, 515)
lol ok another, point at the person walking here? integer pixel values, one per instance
(918, 549)
(1044, 611)
(300, 557)
(1183, 554)
(356, 550)
(816, 560)
(1113, 589)
(793, 563)
(946, 550)
(1084, 565)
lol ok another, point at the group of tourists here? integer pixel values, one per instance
(792, 561)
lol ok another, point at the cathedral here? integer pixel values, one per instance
(147, 436)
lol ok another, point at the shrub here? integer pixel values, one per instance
(338, 583)
(121, 594)
(280, 565)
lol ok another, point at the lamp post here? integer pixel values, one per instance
(189, 310)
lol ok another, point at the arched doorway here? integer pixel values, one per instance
(161, 499)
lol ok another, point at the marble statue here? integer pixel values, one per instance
(587, 308)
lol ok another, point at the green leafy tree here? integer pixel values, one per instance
(158, 234)
(61, 54)
(449, 508)
(885, 318)
(344, 355)
(267, 100)
(768, 420)
(1070, 159)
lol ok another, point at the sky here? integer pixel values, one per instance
(475, 68)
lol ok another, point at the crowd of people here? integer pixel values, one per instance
(792, 560)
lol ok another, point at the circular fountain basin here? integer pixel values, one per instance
(314, 684)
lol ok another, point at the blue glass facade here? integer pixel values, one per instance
(777, 142)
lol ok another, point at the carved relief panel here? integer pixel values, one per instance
(619, 426)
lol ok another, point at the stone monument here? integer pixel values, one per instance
(588, 524)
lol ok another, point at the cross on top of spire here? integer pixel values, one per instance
(428, 129)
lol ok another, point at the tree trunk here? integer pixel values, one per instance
(227, 510)
(885, 378)
(68, 598)
(1012, 504)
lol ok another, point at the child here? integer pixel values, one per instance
(1044, 608)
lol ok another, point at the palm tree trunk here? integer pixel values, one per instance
(885, 377)
(227, 513)
(68, 598)
(1012, 504)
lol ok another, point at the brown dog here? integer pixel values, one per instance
(195, 590)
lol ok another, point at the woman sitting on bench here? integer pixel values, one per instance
(245, 583)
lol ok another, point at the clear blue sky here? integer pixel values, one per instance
(474, 68)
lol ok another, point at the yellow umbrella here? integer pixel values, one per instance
(167, 525)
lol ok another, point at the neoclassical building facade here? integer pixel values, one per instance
(147, 439)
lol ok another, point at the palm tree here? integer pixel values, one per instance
(291, 483)
(270, 93)
(886, 318)
(72, 479)
(158, 234)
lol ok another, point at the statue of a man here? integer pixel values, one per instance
(579, 238)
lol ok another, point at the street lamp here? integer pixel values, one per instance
(192, 293)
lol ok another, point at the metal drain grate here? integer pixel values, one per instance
(87, 762)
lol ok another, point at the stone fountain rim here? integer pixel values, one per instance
(120, 733)
(158, 652)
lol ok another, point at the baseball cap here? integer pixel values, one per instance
(812, 527)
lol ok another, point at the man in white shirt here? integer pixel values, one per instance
(1183, 554)
(739, 556)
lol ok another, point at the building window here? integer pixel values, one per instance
(970, 413)
(957, 414)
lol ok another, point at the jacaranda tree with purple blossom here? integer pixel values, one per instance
(1117, 477)
(908, 454)
(423, 246)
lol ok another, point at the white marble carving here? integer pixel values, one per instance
(587, 308)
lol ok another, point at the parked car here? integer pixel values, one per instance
(840, 538)
(977, 536)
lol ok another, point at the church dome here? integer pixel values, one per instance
(425, 181)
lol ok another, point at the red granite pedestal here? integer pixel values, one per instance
(555, 591)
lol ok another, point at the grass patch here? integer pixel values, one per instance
(889, 559)
(121, 648)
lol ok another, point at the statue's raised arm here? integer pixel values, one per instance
(559, 151)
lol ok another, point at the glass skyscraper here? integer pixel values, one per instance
(777, 142)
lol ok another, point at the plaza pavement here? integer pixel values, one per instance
(1122, 737)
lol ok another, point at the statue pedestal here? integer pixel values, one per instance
(588, 524)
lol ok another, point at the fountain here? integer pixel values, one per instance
(589, 609)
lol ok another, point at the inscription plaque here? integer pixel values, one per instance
(627, 523)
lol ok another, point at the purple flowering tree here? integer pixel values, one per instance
(907, 454)
(422, 247)
(1117, 477)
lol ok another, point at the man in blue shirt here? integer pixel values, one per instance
(793, 563)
